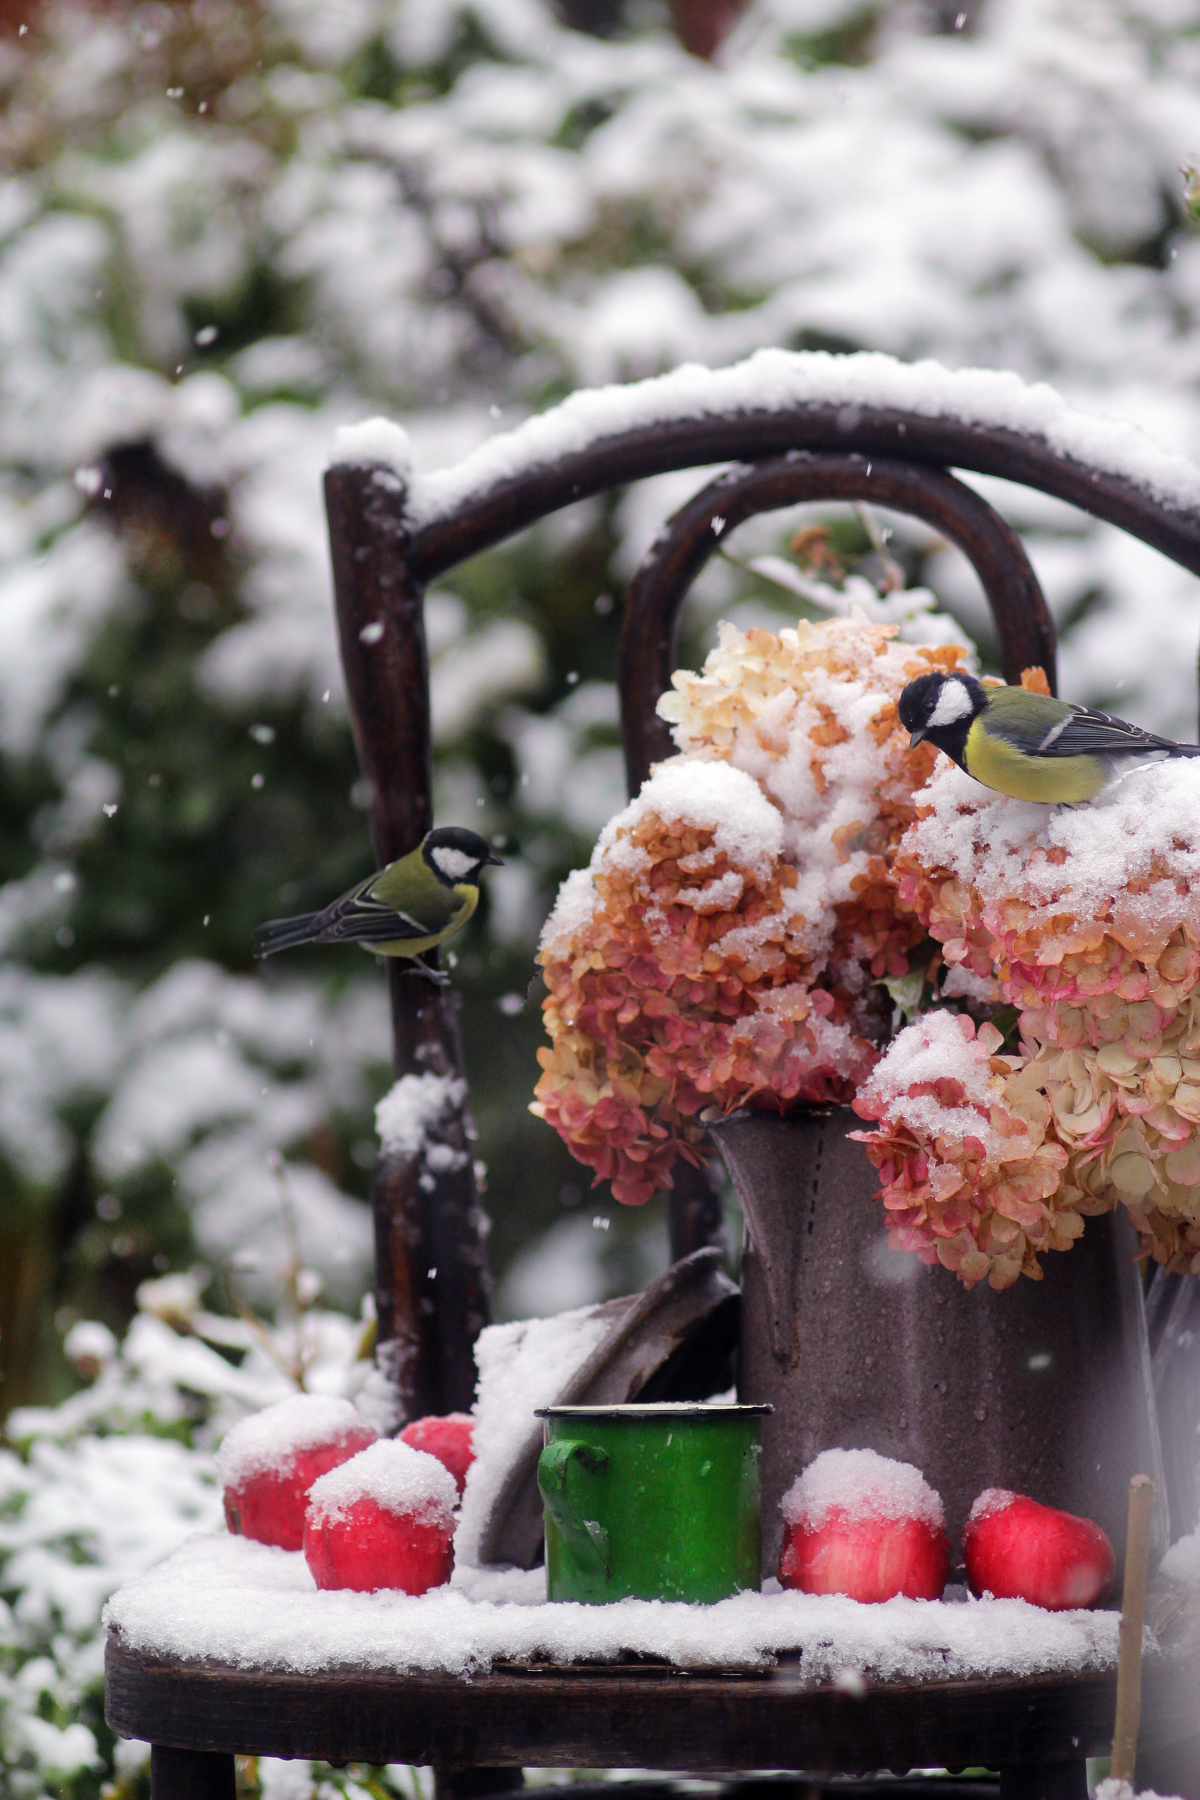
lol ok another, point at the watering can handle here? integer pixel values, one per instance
(586, 1539)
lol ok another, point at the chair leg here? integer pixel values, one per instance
(1044, 1781)
(191, 1774)
(476, 1784)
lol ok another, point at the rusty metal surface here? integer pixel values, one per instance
(657, 592)
(1044, 1388)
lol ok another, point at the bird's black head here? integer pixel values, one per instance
(942, 708)
(455, 854)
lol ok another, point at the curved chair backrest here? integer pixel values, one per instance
(391, 535)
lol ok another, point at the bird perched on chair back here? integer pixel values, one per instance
(411, 906)
(1022, 743)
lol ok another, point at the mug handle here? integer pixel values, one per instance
(586, 1539)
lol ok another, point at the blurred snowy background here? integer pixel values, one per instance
(228, 227)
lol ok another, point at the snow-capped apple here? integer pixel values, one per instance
(268, 1462)
(385, 1519)
(448, 1436)
(1017, 1549)
(859, 1524)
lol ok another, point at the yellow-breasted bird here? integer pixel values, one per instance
(1025, 744)
(411, 906)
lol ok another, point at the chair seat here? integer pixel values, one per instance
(632, 1716)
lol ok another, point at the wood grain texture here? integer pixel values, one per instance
(630, 1716)
(432, 1287)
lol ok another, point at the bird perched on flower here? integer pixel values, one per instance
(1022, 743)
(406, 909)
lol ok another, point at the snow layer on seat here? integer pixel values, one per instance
(255, 1607)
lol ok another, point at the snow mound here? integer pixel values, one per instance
(1138, 842)
(908, 1085)
(861, 1484)
(374, 441)
(992, 1500)
(269, 1440)
(413, 1109)
(399, 1479)
(711, 796)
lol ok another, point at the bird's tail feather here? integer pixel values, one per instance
(282, 934)
(1185, 750)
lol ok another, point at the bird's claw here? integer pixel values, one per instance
(417, 967)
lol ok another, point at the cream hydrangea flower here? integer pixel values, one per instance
(810, 713)
(725, 945)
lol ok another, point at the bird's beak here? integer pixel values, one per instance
(493, 859)
(916, 737)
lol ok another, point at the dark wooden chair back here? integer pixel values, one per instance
(432, 1282)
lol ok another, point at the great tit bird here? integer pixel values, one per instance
(1025, 744)
(414, 904)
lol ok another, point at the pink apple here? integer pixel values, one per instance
(268, 1462)
(448, 1437)
(385, 1519)
(1017, 1549)
(867, 1559)
(862, 1525)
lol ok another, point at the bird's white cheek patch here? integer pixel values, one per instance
(453, 863)
(954, 702)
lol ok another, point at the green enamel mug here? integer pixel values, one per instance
(654, 1502)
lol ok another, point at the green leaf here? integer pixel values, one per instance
(906, 992)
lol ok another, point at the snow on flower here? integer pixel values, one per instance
(971, 1167)
(725, 946)
(1090, 918)
(811, 715)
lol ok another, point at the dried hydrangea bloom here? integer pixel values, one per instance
(1091, 918)
(811, 715)
(966, 1147)
(679, 978)
(1123, 1078)
(690, 966)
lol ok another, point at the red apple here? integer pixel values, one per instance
(867, 1559)
(268, 1462)
(385, 1519)
(861, 1525)
(449, 1438)
(1017, 1549)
